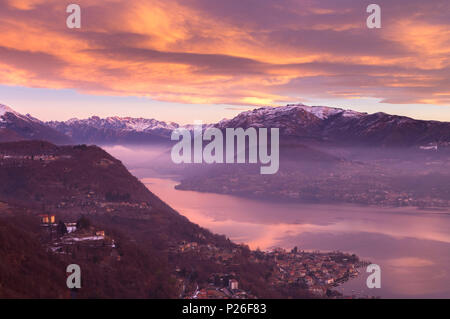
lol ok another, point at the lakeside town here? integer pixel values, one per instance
(316, 272)
(352, 183)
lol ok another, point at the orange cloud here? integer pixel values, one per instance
(230, 52)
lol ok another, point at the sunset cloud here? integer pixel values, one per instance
(246, 52)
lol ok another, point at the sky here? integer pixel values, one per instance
(185, 60)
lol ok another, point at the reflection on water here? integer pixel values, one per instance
(411, 246)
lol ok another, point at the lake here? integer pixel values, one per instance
(411, 246)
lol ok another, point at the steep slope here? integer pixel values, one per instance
(15, 126)
(76, 180)
(29, 270)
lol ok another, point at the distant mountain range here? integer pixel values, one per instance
(302, 123)
(343, 127)
(115, 130)
(15, 127)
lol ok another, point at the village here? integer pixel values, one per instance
(342, 186)
(316, 272)
(77, 239)
(6, 159)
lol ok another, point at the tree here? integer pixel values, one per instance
(61, 229)
(83, 222)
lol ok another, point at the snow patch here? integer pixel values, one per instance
(123, 123)
(321, 112)
(84, 238)
(6, 109)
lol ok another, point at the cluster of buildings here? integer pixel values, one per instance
(434, 146)
(71, 239)
(222, 286)
(96, 203)
(49, 220)
(207, 251)
(315, 271)
(40, 158)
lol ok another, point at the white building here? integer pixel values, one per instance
(233, 284)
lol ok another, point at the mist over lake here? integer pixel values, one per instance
(412, 246)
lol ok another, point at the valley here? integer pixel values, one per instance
(73, 183)
(349, 202)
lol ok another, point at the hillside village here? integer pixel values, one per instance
(315, 272)
(79, 239)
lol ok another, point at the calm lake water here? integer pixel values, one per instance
(411, 246)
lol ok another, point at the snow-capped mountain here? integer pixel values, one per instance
(274, 113)
(298, 122)
(342, 127)
(15, 126)
(4, 109)
(115, 129)
(124, 123)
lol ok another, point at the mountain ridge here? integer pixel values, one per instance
(15, 126)
(305, 124)
(342, 127)
(302, 122)
(114, 129)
